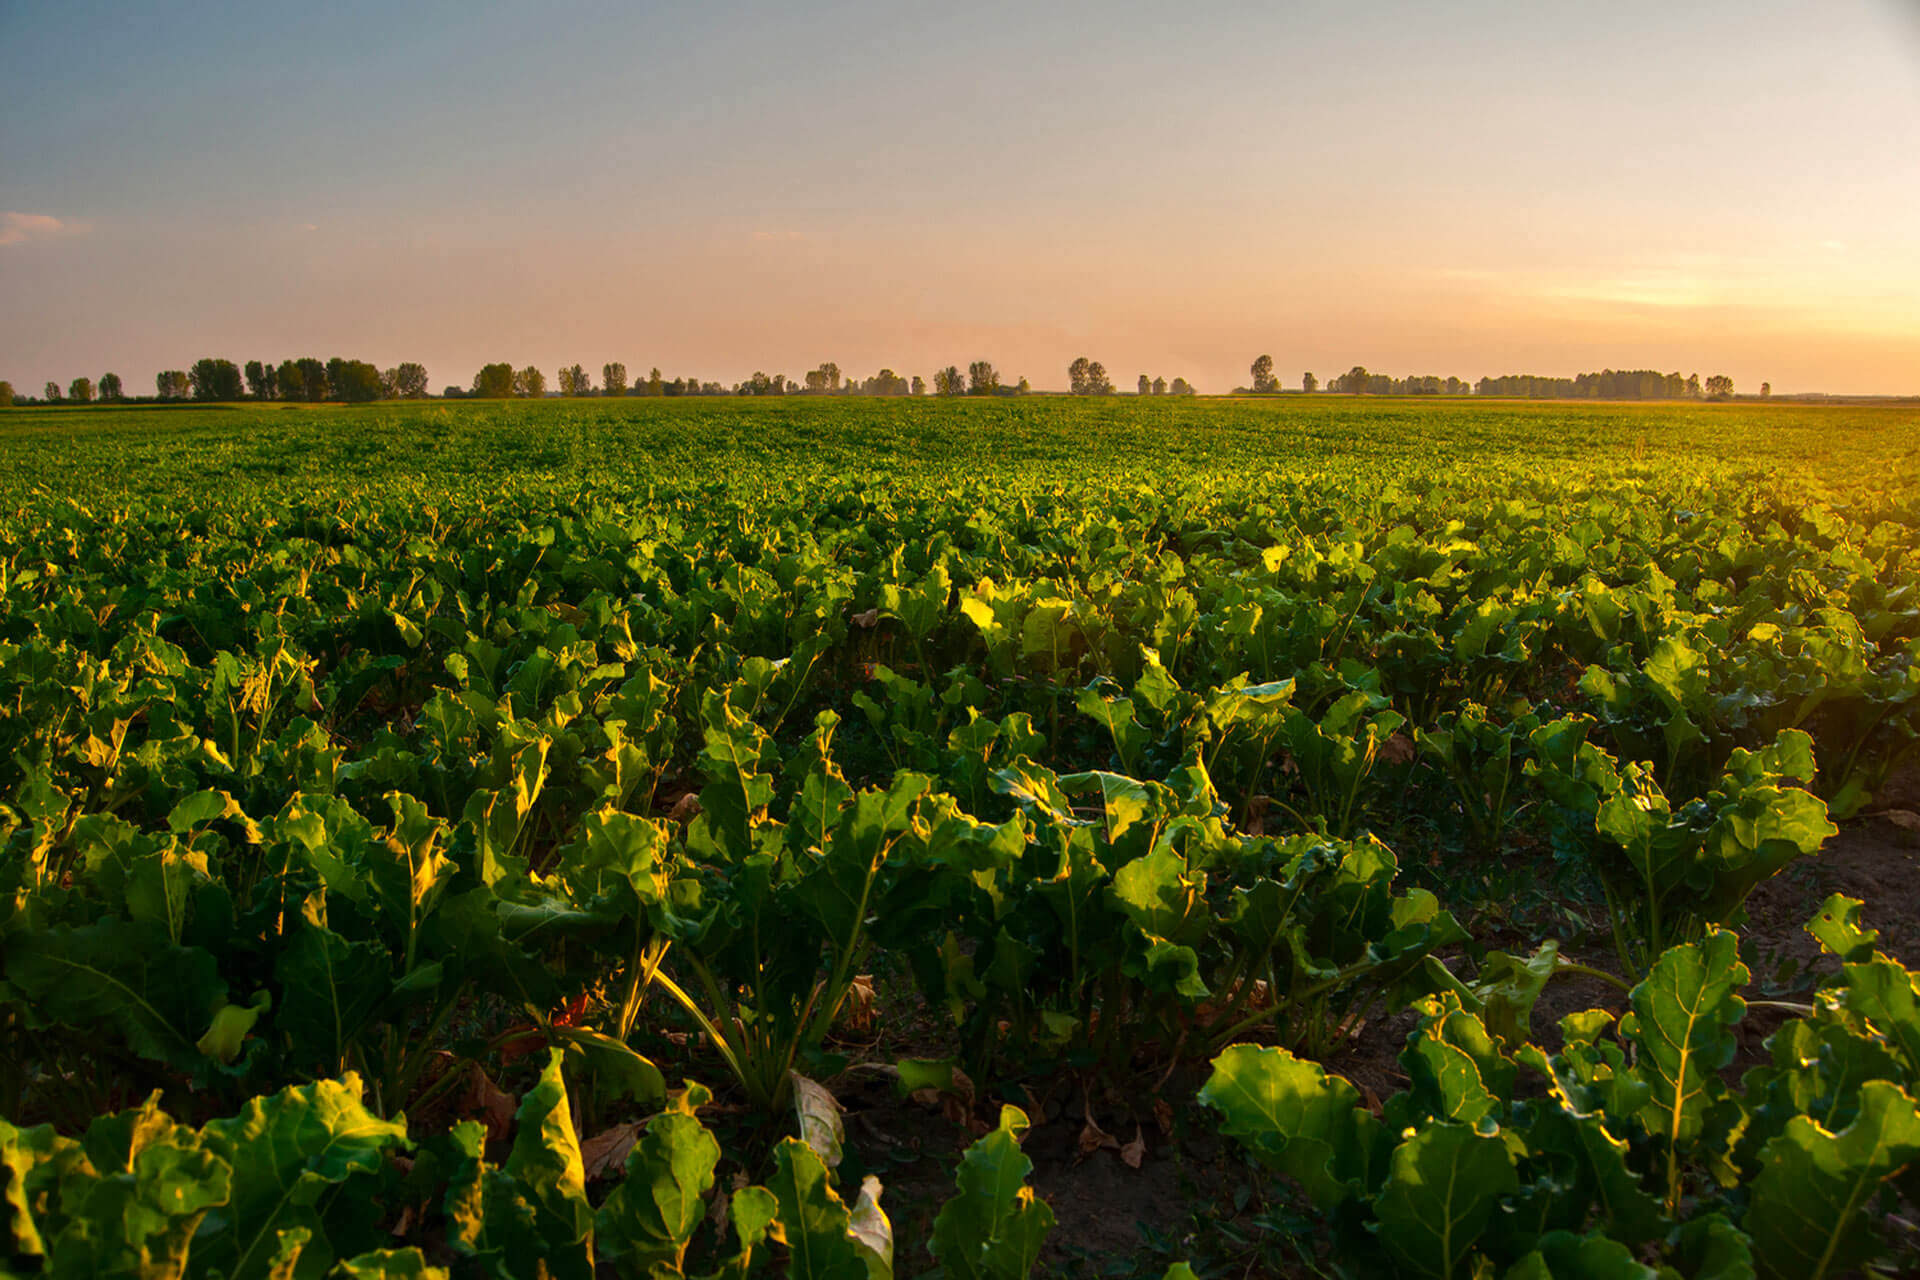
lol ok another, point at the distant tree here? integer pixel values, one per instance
(1159, 386)
(1719, 387)
(6, 395)
(949, 381)
(919, 385)
(355, 381)
(1077, 376)
(1181, 387)
(81, 389)
(215, 379)
(1309, 383)
(1263, 379)
(655, 386)
(1766, 391)
(1023, 388)
(1358, 380)
(171, 385)
(1693, 386)
(613, 378)
(495, 381)
(1146, 385)
(313, 378)
(1097, 383)
(410, 380)
(571, 379)
(982, 378)
(259, 380)
(529, 383)
(110, 388)
(53, 393)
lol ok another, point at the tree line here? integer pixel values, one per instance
(356, 381)
(1608, 384)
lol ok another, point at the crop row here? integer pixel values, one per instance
(312, 814)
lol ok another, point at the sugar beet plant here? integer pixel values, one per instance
(1625, 1152)
(389, 834)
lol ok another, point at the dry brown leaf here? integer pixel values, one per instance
(1163, 1116)
(1093, 1138)
(1397, 749)
(685, 809)
(869, 619)
(404, 1223)
(493, 1105)
(1256, 823)
(959, 1112)
(1134, 1152)
(1905, 818)
(858, 1008)
(608, 1150)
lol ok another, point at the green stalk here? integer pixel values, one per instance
(720, 1041)
(1612, 979)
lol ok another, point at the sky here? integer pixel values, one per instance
(1479, 187)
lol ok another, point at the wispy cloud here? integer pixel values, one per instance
(18, 228)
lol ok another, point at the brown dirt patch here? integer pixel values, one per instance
(1875, 859)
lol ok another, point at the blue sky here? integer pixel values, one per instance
(1461, 189)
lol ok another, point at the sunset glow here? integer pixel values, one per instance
(1470, 189)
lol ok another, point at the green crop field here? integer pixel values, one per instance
(859, 837)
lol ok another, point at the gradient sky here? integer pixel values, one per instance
(1485, 186)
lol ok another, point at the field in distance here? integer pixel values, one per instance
(233, 451)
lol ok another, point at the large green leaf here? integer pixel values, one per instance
(546, 1157)
(994, 1227)
(1883, 992)
(130, 977)
(1562, 1255)
(1456, 1070)
(648, 1221)
(1683, 1021)
(1443, 1185)
(1839, 930)
(530, 1217)
(288, 1153)
(36, 1161)
(1305, 1123)
(390, 1264)
(813, 1221)
(329, 988)
(1808, 1216)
